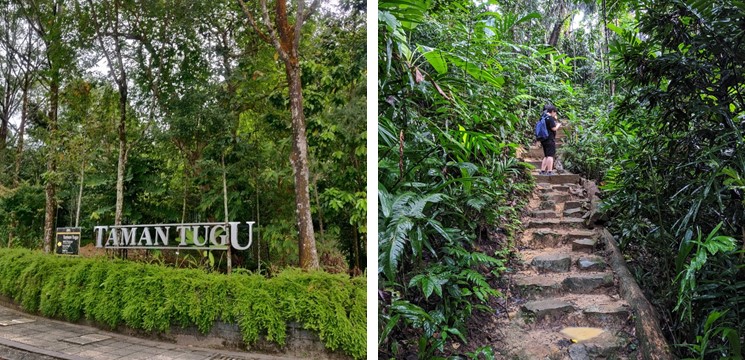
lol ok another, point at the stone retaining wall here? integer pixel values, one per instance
(299, 343)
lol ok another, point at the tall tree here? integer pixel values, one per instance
(30, 64)
(285, 37)
(107, 25)
(561, 18)
(9, 71)
(47, 19)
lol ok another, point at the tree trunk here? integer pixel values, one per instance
(53, 40)
(122, 163)
(606, 50)
(26, 85)
(318, 205)
(183, 204)
(6, 113)
(605, 35)
(122, 157)
(21, 131)
(742, 253)
(356, 249)
(299, 159)
(119, 75)
(556, 32)
(258, 219)
(50, 186)
(285, 38)
(80, 194)
(13, 226)
(554, 38)
(225, 204)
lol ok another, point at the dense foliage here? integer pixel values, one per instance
(460, 85)
(653, 92)
(155, 298)
(671, 158)
(193, 106)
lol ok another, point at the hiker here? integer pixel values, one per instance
(549, 143)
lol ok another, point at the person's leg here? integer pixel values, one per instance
(544, 162)
(550, 153)
(544, 165)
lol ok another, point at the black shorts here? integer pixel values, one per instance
(549, 148)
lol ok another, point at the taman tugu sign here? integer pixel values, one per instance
(197, 236)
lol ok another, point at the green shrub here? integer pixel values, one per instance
(154, 298)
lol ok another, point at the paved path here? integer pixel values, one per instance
(28, 337)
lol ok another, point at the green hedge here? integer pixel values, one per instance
(154, 298)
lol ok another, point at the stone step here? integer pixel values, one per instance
(528, 342)
(557, 178)
(574, 213)
(544, 214)
(588, 282)
(538, 286)
(605, 314)
(543, 343)
(546, 237)
(604, 346)
(584, 245)
(552, 263)
(568, 223)
(561, 187)
(547, 205)
(608, 315)
(554, 259)
(550, 309)
(544, 187)
(568, 188)
(591, 263)
(574, 204)
(554, 196)
(606, 311)
(546, 285)
(581, 310)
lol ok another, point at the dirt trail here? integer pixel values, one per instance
(566, 302)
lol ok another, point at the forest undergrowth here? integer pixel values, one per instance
(455, 104)
(653, 91)
(671, 164)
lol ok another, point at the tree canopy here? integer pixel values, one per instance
(160, 112)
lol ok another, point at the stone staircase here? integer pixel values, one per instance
(567, 302)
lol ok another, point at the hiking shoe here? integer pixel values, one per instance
(541, 172)
(549, 173)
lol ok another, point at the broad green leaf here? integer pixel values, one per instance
(390, 20)
(428, 286)
(615, 29)
(389, 325)
(437, 60)
(531, 16)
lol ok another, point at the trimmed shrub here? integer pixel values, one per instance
(154, 298)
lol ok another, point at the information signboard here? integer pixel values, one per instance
(68, 241)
